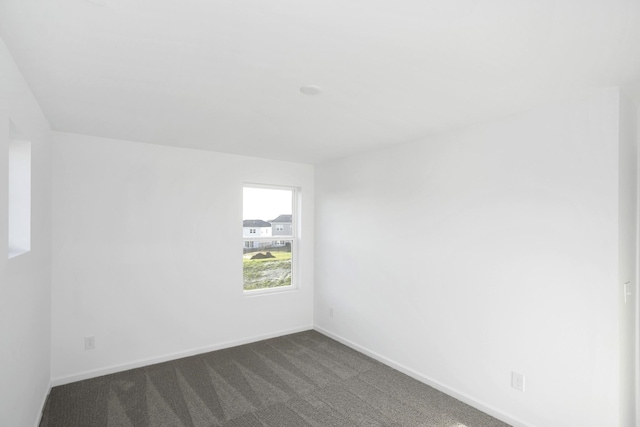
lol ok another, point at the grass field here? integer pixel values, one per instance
(266, 273)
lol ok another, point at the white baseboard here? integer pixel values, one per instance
(488, 409)
(165, 358)
(44, 402)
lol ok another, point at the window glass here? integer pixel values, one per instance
(267, 212)
(19, 193)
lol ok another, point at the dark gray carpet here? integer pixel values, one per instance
(304, 379)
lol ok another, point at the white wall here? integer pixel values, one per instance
(496, 252)
(25, 293)
(148, 254)
(628, 217)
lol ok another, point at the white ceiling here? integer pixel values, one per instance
(225, 75)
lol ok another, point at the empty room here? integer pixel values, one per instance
(304, 213)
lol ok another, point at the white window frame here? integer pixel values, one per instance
(293, 238)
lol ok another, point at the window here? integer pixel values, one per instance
(266, 263)
(279, 227)
(19, 193)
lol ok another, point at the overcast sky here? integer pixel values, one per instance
(266, 203)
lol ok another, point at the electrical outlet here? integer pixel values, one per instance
(517, 381)
(89, 343)
(331, 312)
(627, 292)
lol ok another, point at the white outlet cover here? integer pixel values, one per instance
(89, 343)
(627, 292)
(517, 381)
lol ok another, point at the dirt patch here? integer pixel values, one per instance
(260, 255)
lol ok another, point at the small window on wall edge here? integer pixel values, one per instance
(268, 258)
(19, 193)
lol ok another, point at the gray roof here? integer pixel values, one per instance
(255, 223)
(283, 218)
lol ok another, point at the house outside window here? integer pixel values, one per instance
(282, 225)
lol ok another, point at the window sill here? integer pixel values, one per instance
(14, 252)
(269, 291)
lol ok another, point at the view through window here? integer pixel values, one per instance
(268, 232)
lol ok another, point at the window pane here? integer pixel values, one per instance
(19, 193)
(267, 212)
(266, 264)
